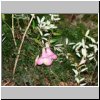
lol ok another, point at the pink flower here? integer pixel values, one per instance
(46, 58)
(51, 54)
(38, 61)
(47, 61)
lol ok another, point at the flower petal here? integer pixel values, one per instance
(40, 61)
(47, 61)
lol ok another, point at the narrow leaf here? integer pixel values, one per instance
(46, 34)
(66, 41)
(77, 80)
(44, 38)
(79, 43)
(83, 84)
(92, 39)
(90, 55)
(59, 45)
(84, 52)
(78, 54)
(83, 60)
(82, 79)
(33, 24)
(84, 69)
(91, 58)
(78, 47)
(38, 19)
(71, 43)
(75, 71)
(87, 33)
(40, 31)
(53, 40)
(83, 43)
(58, 49)
(42, 20)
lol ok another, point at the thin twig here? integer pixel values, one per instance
(7, 25)
(19, 25)
(6, 83)
(54, 74)
(19, 49)
(13, 30)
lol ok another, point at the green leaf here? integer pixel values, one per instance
(3, 17)
(56, 33)
(33, 24)
(38, 42)
(53, 40)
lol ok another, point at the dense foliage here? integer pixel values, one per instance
(64, 33)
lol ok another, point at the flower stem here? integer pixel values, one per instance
(19, 49)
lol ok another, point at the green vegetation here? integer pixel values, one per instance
(71, 26)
